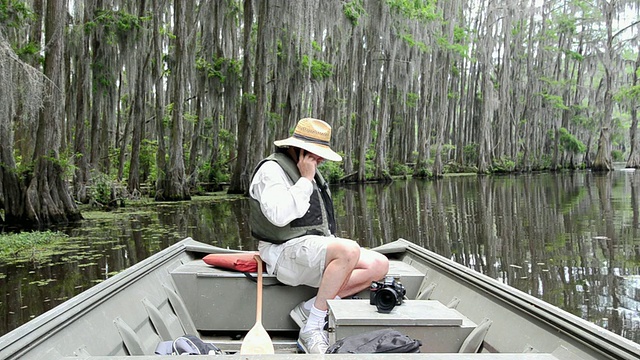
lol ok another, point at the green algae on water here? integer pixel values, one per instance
(27, 246)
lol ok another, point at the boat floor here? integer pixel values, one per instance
(283, 343)
(277, 355)
(286, 348)
(346, 356)
(181, 294)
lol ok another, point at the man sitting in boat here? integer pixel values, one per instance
(292, 215)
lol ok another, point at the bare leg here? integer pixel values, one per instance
(348, 270)
(372, 266)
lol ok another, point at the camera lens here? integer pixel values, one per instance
(386, 300)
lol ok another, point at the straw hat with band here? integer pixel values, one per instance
(312, 135)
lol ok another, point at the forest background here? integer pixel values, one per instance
(102, 100)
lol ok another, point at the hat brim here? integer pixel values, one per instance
(323, 151)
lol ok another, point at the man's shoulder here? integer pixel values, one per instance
(270, 165)
(270, 169)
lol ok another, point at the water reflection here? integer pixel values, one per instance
(570, 239)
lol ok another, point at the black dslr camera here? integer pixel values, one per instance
(385, 295)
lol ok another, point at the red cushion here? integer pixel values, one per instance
(241, 261)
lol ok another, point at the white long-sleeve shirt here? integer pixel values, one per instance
(281, 202)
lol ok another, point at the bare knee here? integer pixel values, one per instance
(377, 265)
(344, 250)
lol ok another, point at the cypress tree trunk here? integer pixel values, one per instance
(138, 108)
(602, 162)
(174, 187)
(83, 89)
(241, 173)
(634, 157)
(97, 63)
(487, 89)
(603, 159)
(158, 69)
(381, 169)
(369, 85)
(138, 120)
(264, 48)
(48, 200)
(10, 186)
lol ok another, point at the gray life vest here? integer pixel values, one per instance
(319, 219)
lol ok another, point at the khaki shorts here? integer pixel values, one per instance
(302, 261)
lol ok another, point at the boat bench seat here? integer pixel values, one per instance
(233, 296)
(225, 300)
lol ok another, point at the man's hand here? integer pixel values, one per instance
(307, 164)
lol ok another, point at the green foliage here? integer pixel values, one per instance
(148, 150)
(617, 155)
(554, 100)
(573, 55)
(190, 118)
(448, 148)
(458, 45)
(536, 163)
(103, 77)
(369, 166)
(353, 10)
(27, 244)
(502, 165)
(631, 93)
(24, 168)
(319, 69)
(101, 189)
(456, 168)
(412, 100)
(544, 162)
(331, 170)
(570, 143)
(208, 68)
(425, 11)
(218, 172)
(215, 173)
(422, 172)
(227, 139)
(64, 161)
(460, 35)
(219, 67)
(15, 13)
(470, 152)
(566, 24)
(29, 48)
(273, 119)
(116, 23)
(250, 97)
(399, 169)
(408, 38)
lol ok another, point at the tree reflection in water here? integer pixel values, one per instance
(570, 239)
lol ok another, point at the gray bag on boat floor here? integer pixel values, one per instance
(377, 341)
(187, 345)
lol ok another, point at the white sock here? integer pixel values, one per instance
(316, 319)
(309, 303)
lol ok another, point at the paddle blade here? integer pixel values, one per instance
(257, 341)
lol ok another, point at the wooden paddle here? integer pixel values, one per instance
(257, 340)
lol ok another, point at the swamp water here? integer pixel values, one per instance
(571, 239)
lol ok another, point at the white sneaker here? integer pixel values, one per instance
(313, 341)
(300, 315)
